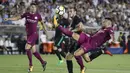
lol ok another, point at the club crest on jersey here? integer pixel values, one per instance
(35, 17)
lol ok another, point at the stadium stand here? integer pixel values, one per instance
(91, 11)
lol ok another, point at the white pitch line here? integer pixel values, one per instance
(95, 69)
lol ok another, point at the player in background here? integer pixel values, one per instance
(75, 20)
(32, 18)
(59, 38)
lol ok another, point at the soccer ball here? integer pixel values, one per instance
(60, 10)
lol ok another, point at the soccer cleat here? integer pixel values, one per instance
(107, 51)
(44, 66)
(30, 69)
(83, 70)
(60, 62)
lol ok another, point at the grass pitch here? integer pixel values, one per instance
(103, 64)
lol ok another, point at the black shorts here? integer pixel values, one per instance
(66, 45)
(58, 41)
(72, 45)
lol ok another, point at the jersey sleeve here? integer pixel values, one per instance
(39, 17)
(110, 30)
(23, 15)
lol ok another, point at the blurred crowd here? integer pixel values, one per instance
(91, 11)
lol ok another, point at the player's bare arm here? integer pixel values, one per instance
(43, 26)
(113, 38)
(13, 18)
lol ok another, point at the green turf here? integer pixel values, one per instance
(103, 64)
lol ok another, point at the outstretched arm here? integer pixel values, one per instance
(43, 26)
(112, 37)
(13, 18)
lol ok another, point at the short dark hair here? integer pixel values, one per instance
(75, 9)
(108, 18)
(33, 4)
(120, 32)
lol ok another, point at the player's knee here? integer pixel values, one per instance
(59, 49)
(69, 56)
(77, 54)
(33, 50)
(54, 48)
(87, 60)
(86, 57)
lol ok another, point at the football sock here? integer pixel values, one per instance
(94, 54)
(63, 54)
(80, 61)
(29, 54)
(37, 55)
(58, 54)
(65, 31)
(69, 66)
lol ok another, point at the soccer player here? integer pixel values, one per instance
(59, 38)
(73, 46)
(77, 27)
(88, 43)
(32, 17)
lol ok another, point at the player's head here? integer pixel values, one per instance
(72, 11)
(33, 8)
(107, 22)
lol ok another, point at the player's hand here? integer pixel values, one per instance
(55, 21)
(6, 19)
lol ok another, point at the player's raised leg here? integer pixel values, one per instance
(93, 54)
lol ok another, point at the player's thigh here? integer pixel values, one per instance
(86, 57)
(79, 52)
(69, 56)
(76, 36)
(34, 48)
(84, 48)
(28, 46)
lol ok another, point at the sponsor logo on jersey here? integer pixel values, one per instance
(35, 17)
(31, 20)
